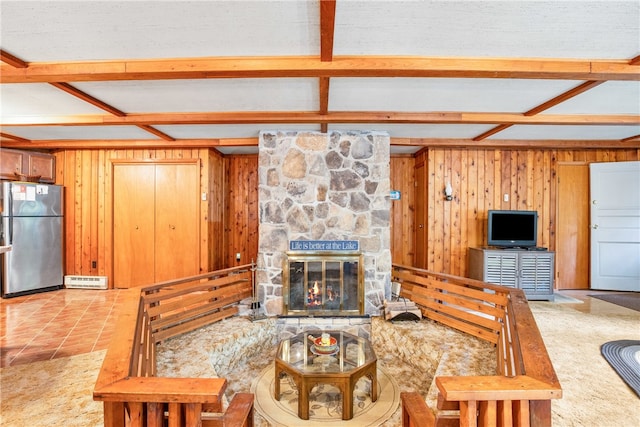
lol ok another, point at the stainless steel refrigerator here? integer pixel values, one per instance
(32, 221)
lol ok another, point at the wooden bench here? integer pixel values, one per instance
(525, 382)
(519, 393)
(127, 382)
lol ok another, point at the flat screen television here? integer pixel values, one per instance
(512, 228)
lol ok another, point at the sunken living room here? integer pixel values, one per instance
(302, 213)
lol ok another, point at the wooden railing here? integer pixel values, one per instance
(127, 383)
(518, 395)
(525, 382)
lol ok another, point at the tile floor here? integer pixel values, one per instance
(67, 322)
(56, 324)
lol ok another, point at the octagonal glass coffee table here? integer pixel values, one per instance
(342, 365)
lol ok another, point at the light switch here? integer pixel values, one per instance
(506, 197)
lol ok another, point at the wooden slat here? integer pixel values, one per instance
(136, 414)
(155, 414)
(505, 414)
(462, 326)
(521, 415)
(415, 411)
(196, 312)
(488, 413)
(429, 305)
(192, 413)
(175, 414)
(195, 324)
(113, 414)
(466, 299)
(468, 410)
(168, 303)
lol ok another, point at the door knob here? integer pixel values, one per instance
(595, 226)
(173, 227)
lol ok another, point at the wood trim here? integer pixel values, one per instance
(310, 66)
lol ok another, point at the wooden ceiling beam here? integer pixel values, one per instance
(301, 66)
(416, 142)
(11, 60)
(9, 137)
(563, 97)
(545, 106)
(327, 26)
(492, 131)
(66, 87)
(305, 117)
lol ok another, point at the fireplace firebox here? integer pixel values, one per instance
(323, 283)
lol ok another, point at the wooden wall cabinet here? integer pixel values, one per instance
(531, 271)
(27, 163)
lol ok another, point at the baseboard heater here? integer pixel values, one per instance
(85, 282)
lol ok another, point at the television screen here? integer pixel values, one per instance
(512, 228)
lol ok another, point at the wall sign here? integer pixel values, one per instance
(324, 245)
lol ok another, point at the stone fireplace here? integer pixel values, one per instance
(319, 187)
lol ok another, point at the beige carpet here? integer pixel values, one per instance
(593, 393)
(52, 393)
(325, 403)
(59, 392)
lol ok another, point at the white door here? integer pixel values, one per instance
(615, 226)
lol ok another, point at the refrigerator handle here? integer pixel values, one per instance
(10, 231)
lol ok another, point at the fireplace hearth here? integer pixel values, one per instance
(324, 284)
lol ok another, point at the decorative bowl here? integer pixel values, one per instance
(333, 345)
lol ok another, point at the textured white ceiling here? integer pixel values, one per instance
(106, 30)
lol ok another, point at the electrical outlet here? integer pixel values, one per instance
(506, 197)
(94, 264)
(238, 256)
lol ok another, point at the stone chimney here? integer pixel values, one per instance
(317, 186)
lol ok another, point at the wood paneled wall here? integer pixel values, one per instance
(402, 211)
(241, 229)
(479, 177)
(87, 178)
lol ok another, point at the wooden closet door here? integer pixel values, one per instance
(572, 241)
(177, 221)
(133, 225)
